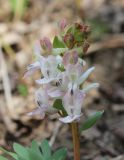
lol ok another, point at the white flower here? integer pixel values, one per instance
(44, 103)
(71, 80)
(48, 66)
(72, 103)
(37, 64)
(71, 92)
(64, 79)
(49, 69)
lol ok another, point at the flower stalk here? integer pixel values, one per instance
(76, 140)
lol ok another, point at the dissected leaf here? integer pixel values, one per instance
(91, 120)
(21, 151)
(33, 154)
(46, 150)
(35, 150)
(3, 158)
(20, 158)
(60, 154)
(14, 155)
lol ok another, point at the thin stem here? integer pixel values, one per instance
(76, 141)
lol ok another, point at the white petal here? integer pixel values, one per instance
(85, 75)
(78, 102)
(73, 102)
(55, 92)
(70, 119)
(29, 73)
(42, 99)
(34, 65)
(31, 69)
(59, 59)
(44, 80)
(68, 103)
(37, 112)
(89, 87)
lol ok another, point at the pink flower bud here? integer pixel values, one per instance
(78, 26)
(69, 40)
(62, 24)
(86, 28)
(70, 57)
(46, 44)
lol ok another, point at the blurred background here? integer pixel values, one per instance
(22, 22)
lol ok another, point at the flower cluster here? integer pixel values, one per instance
(63, 75)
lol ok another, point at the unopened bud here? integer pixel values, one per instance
(62, 24)
(70, 57)
(86, 28)
(46, 44)
(69, 40)
(74, 57)
(78, 26)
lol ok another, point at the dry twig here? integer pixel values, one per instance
(6, 109)
(112, 42)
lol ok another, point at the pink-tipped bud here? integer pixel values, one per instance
(74, 57)
(70, 57)
(86, 28)
(69, 40)
(46, 44)
(78, 26)
(82, 27)
(62, 24)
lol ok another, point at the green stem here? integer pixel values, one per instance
(76, 140)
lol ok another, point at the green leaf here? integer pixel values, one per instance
(21, 151)
(3, 158)
(71, 30)
(35, 155)
(91, 120)
(60, 154)
(20, 158)
(58, 105)
(46, 150)
(14, 155)
(35, 150)
(58, 43)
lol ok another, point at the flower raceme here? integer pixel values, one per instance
(66, 84)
